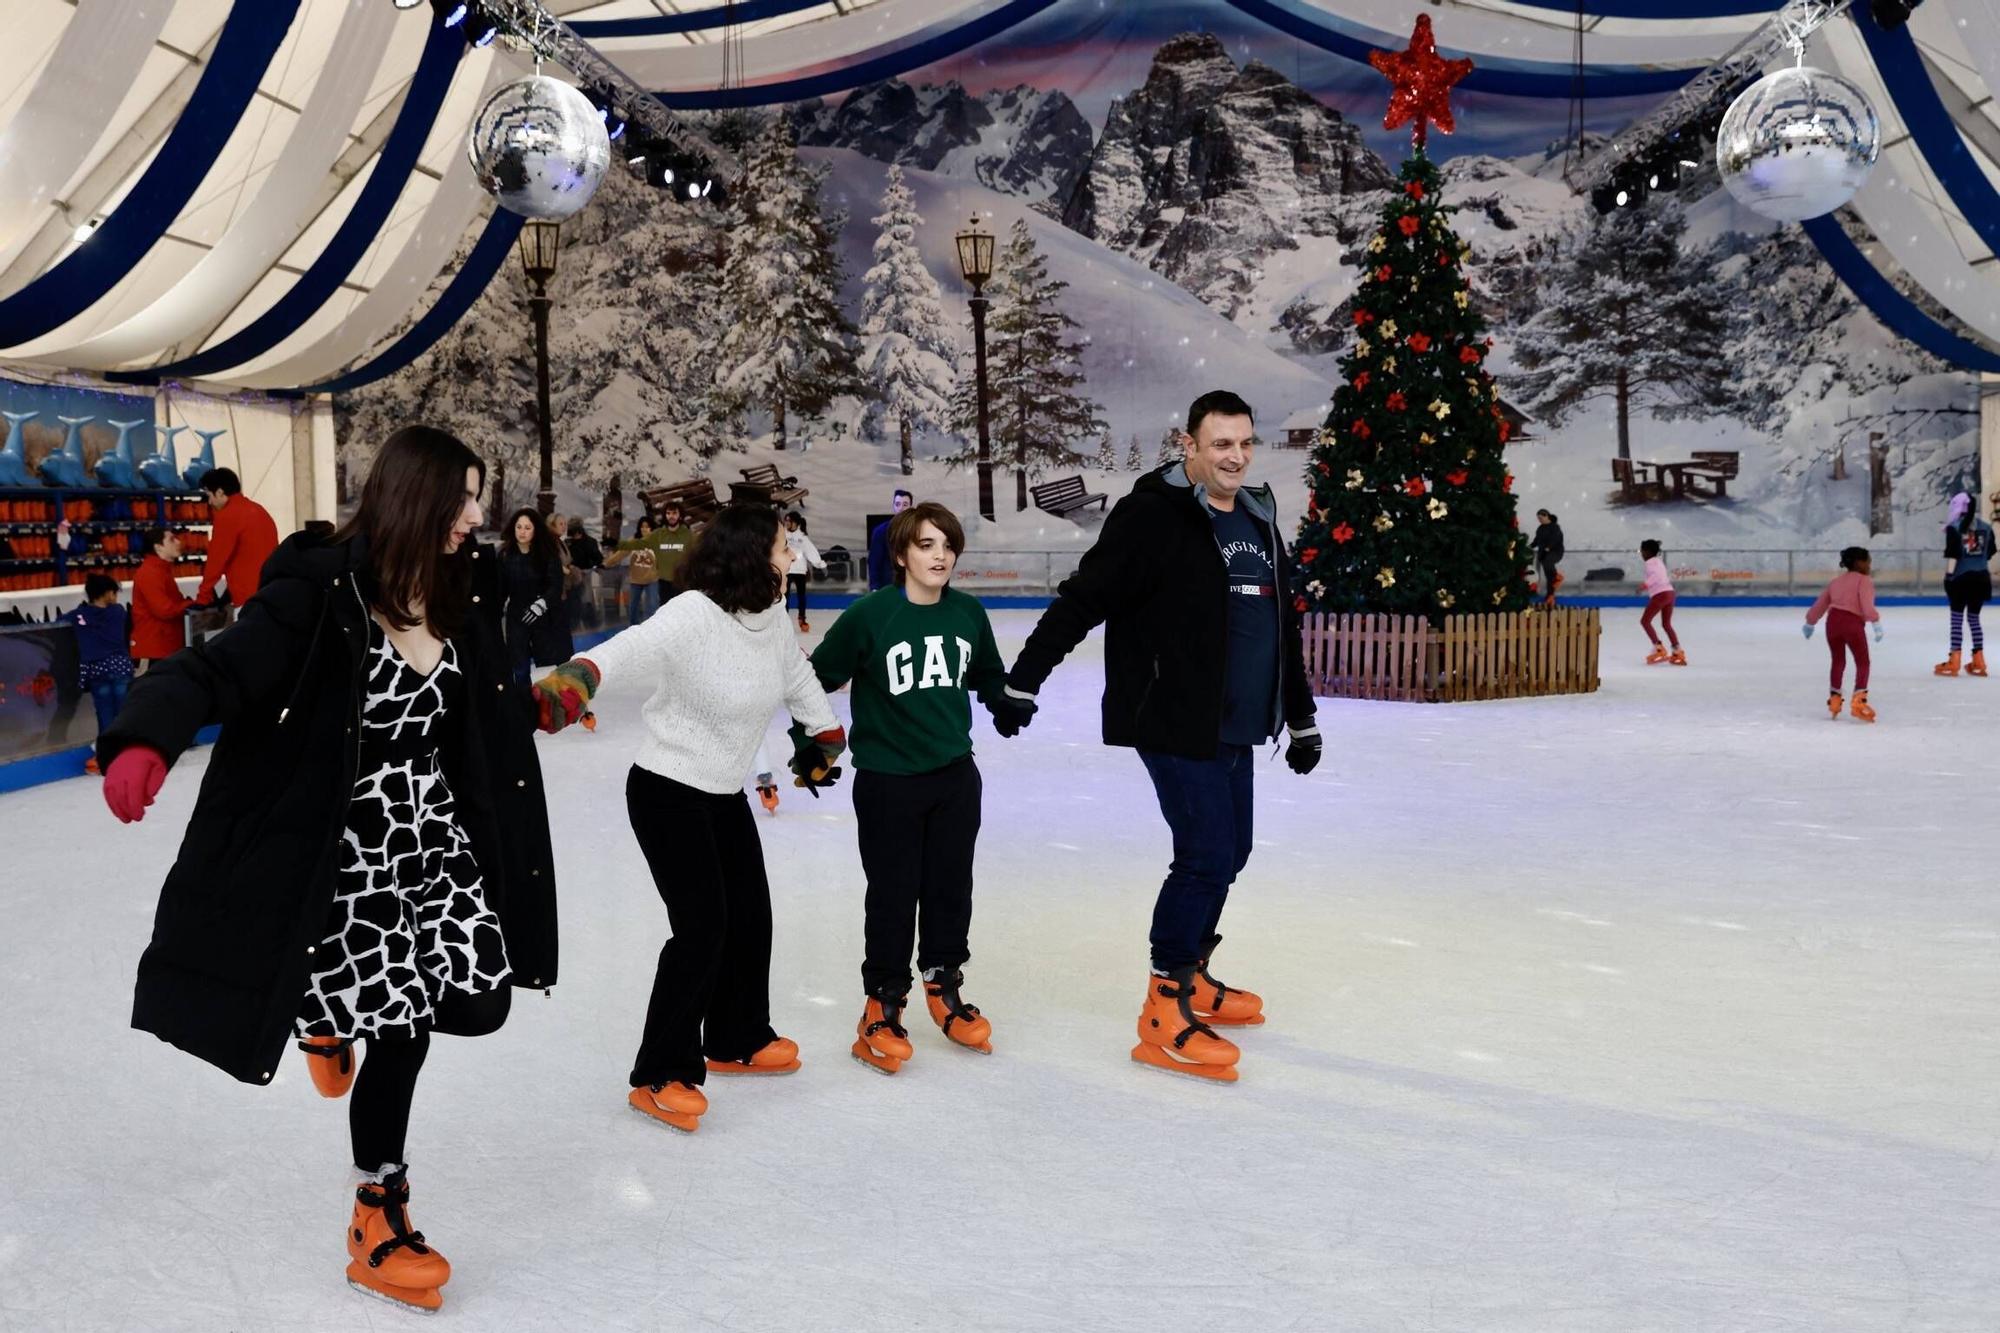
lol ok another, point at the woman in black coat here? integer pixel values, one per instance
(531, 561)
(368, 857)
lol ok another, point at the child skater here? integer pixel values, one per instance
(1659, 593)
(368, 860)
(805, 559)
(721, 658)
(1968, 583)
(914, 652)
(103, 641)
(1847, 603)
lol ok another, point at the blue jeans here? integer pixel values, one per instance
(108, 696)
(641, 600)
(1208, 805)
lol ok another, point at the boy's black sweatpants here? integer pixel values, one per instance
(917, 833)
(712, 990)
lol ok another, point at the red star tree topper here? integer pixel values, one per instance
(1411, 510)
(1423, 81)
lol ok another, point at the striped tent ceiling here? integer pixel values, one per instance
(222, 159)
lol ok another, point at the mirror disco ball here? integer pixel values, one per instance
(1798, 143)
(540, 148)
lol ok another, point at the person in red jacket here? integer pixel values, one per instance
(241, 540)
(158, 604)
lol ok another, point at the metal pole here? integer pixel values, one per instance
(538, 306)
(985, 443)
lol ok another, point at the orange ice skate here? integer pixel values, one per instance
(331, 1062)
(961, 1022)
(1172, 1038)
(1833, 704)
(675, 1105)
(1862, 712)
(1977, 666)
(778, 1056)
(1948, 667)
(1223, 1006)
(385, 1257)
(1657, 656)
(881, 1042)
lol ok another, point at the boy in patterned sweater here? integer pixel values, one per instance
(915, 652)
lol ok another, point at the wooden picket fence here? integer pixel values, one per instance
(1502, 656)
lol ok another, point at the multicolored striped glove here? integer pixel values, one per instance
(814, 763)
(564, 695)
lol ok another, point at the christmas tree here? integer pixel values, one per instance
(907, 352)
(789, 346)
(1411, 509)
(1035, 373)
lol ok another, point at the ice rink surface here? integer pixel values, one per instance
(1671, 1007)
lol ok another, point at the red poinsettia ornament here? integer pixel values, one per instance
(1422, 81)
(1457, 476)
(1408, 225)
(1420, 342)
(1342, 534)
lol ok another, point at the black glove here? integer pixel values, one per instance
(1011, 714)
(1303, 753)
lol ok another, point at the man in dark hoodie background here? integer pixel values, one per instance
(1203, 662)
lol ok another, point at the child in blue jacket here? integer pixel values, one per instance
(104, 642)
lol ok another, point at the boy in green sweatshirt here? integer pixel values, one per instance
(915, 652)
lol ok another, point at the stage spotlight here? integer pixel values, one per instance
(84, 231)
(480, 29)
(1604, 198)
(1890, 15)
(451, 13)
(1663, 173)
(408, 4)
(1628, 184)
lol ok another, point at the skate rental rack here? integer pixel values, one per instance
(1463, 659)
(109, 522)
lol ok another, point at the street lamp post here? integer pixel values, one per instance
(975, 263)
(540, 244)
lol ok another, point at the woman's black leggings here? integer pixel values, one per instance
(378, 1110)
(796, 583)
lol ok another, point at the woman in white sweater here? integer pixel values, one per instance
(721, 658)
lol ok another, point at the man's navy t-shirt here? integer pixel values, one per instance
(1250, 679)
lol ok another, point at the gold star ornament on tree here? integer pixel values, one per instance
(1423, 81)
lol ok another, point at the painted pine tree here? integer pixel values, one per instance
(1412, 508)
(907, 353)
(1633, 317)
(1037, 404)
(789, 346)
(1107, 453)
(1135, 456)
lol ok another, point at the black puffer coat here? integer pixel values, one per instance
(246, 902)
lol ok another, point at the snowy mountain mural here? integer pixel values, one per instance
(1203, 219)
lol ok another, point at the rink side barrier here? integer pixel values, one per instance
(62, 764)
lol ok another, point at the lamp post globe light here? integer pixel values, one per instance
(975, 264)
(540, 245)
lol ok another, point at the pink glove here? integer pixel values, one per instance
(132, 781)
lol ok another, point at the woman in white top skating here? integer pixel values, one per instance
(722, 659)
(804, 554)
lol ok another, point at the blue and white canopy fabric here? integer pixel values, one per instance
(272, 194)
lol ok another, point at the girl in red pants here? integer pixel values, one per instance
(1659, 592)
(1847, 603)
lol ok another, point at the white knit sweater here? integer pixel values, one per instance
(718, 678)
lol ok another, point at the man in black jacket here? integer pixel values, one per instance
(1203, 662)
(1548, 546)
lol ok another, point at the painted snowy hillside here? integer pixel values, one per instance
(1209, 233)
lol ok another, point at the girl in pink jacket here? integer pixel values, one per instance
(1847, 603)
(1658, 590)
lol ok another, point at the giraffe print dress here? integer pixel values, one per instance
(409, 920)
